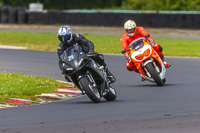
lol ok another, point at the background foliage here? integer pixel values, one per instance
(67, 4)
(112, 4)
(161, 4)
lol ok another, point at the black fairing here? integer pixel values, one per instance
(73, 59)
(76, 64)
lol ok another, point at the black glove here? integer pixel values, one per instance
(91, 54)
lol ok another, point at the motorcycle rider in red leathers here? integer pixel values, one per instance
(133, 32)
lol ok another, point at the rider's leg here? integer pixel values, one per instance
(99, 58)
(131, 67)
(159, 50)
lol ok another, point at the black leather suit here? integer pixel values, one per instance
(87, 47)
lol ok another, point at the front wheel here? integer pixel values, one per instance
(111, 94)
(154, 74)
(90, 90)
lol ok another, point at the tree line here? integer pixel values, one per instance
(186, 5)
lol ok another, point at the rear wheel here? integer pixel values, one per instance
(90, 90)
(154, 74)
(111, 94)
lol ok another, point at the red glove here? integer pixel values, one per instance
(128, 57)
(152, 43)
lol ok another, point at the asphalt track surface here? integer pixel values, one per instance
(141, 107)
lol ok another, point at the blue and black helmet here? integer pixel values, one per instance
(65, 34)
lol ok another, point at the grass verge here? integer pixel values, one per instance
(25, 87)
(103, 44)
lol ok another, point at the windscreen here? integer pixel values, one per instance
(70, 52)
(136, 44)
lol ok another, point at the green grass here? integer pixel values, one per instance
(180, 47)
(106, 44)
(25, 87)
(33, 41)
(103, 44)
(172, 47)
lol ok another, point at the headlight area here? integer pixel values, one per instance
(144, 54)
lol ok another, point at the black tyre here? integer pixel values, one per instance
(164, 80)
(91, 91)
(154, 74)
(111, 94)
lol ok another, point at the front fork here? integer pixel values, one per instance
(92, 82)
(144, 64)
(143, 69)
(91, 79)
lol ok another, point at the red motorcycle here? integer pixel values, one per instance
(147, 61)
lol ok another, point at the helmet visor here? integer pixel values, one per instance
(130, 31)
(65, 38)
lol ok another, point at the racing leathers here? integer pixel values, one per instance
(88, 48)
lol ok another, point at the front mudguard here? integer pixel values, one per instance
(156, 63)
(94, 70)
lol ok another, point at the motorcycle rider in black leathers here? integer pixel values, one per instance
(67, 39)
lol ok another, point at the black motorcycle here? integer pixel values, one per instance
(87, 75)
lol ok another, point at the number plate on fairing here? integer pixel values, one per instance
(71, 57)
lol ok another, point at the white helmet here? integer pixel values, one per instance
(129, 27)
(65, 34)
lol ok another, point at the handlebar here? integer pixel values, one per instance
(92, 54)
(125, 50)
(147, 36)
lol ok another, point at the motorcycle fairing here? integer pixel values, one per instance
(73, 59)
(141, 51)
(152, 57)
(94, 69)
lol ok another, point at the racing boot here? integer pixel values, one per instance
(110, 76)
(167, 65)
(142, 78)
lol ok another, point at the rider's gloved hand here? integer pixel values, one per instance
(128, 57)
(92, 53)
(152, 43)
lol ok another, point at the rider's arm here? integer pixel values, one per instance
(83, 41)
(125, 44)
(143, 33)
(60, 49)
